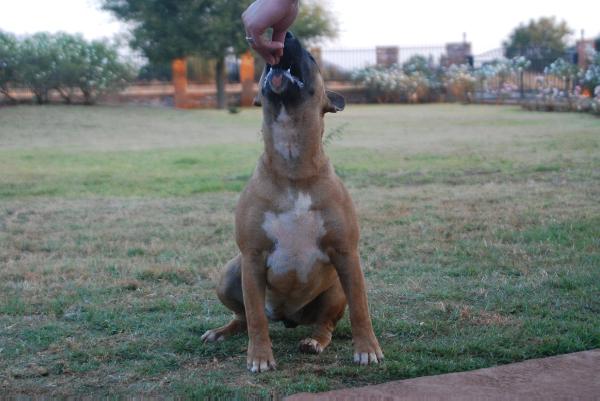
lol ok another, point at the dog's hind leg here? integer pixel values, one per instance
(229, 292)
(324, 313)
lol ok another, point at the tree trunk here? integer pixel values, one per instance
(41, 96)
(6, 92)
(65, 95)
(220, 78)
(88, 97)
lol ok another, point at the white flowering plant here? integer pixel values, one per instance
(595, 106)
(393, 84)
(562, 68)
(590, 77)
(460, 81)
(385, 84)
(520, 63)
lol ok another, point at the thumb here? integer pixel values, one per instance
(279, 36)
(273, 45)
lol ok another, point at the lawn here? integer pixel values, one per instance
(480, 243)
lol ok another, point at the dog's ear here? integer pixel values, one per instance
(335, 102)
(256, 102)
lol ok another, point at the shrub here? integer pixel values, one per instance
(8, 62)
(427, 77)
(38, 61)
(411, 82)
(460, 82)
(101, 71)
(565, 70)
(590, 78)
(62, 62)
(596, 101)
(383, 84)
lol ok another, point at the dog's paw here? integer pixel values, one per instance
(367, 352)
(212, 336)
(367, 358)
(310, 346)
(260, 359)
(220, 334)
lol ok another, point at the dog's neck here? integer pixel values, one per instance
(293, 144)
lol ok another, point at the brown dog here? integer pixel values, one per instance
(296, 227)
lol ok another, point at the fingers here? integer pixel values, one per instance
(279, 37)
(271, 51)
(264, 14)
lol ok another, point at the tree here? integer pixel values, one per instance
(541, 41)
(8, 63)
(101, 71)
(314, 23)
(70, 51)
(65, 63)
(168, 29)
(38, 58)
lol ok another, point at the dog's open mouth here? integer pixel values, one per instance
(279, 80)
(289, 77)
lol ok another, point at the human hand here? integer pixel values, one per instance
(264, 14)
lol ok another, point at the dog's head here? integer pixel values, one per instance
(296, 84)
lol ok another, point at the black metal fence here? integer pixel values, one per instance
(338, 64)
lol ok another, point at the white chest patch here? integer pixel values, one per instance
(296, 234)
(285, 136)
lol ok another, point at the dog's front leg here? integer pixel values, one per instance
(366, 346)
(260, 354)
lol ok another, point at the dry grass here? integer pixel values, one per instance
(467, 265)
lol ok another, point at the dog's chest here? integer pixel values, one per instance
(296, 234)
(285, 136)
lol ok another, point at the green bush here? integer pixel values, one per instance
(37, 62)
(8, 62)
(61, 62)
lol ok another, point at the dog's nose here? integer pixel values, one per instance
(278, 82)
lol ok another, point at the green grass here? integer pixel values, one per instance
(480, 243)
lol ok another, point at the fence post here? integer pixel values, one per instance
(458, 53)
(247, 79)
(179, 69)
(386, 55)
(583, 46)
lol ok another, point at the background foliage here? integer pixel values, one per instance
(540, 41)
(169, 29)
(69, 64)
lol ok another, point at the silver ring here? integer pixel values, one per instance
(250, 40)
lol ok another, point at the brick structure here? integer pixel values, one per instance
(386, 55)
(457, 53)
(583, 48)
(179, 68)
(247, 79)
